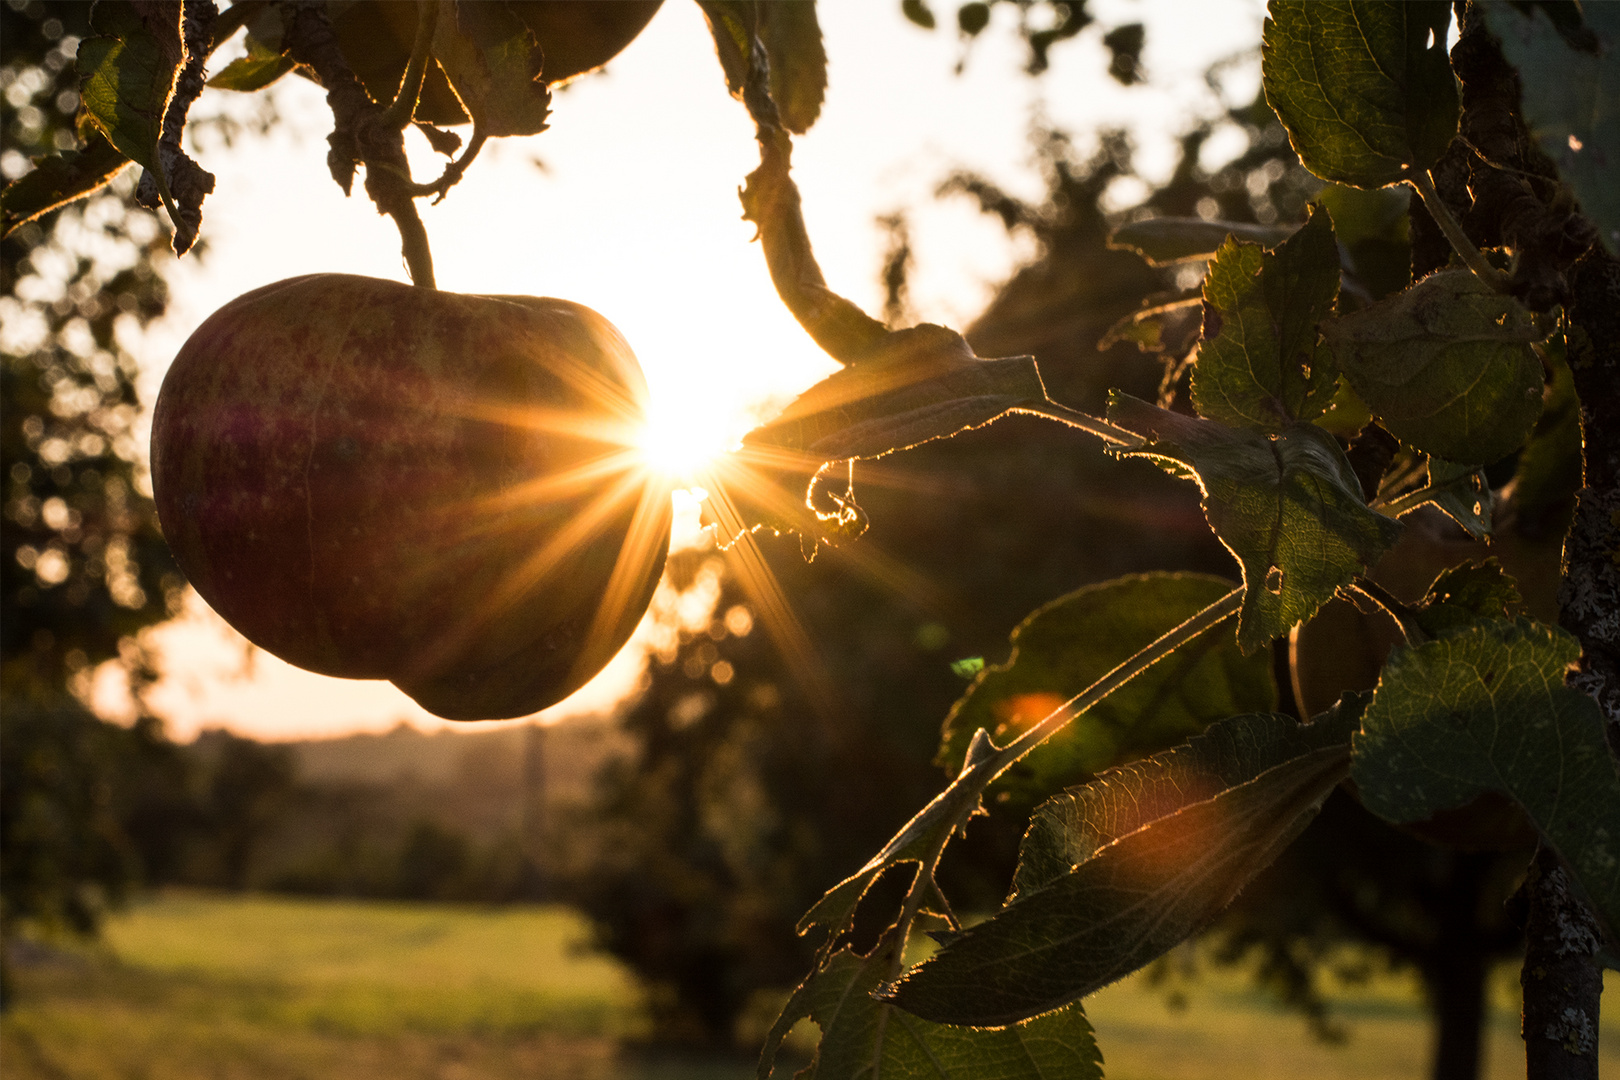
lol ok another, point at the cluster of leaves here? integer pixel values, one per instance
(1448, 372)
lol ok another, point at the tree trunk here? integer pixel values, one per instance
(1456, 984)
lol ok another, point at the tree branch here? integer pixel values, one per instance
(1562, 982)
(363, 133)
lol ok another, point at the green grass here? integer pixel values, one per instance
(194, 986)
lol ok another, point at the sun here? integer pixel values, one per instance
(682, 439)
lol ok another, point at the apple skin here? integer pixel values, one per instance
(372, 480)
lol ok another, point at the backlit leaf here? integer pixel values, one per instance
(791, 36)
(1461, 491)
(255, 71)
(923, 383)
(1446, 365)
(1364, 87)
(1569, 100)
(494, 65)
(1134, 900)
(864, 1038)
(1070, 828)
(1261, 363)
(127, 71)
(1288, 507)
(1485, 709)
(1069, 643)
(58, 179)
(1165, 240)
(1463, 595)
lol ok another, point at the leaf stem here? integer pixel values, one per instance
(1138, 662)
(403, 107)
(1108, 433)
(1422, 180)
(1404, 504)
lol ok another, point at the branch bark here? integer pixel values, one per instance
(1561, 982)
(363, 133)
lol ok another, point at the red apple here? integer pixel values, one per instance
(377, 481)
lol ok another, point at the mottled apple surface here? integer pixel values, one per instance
(377, 481)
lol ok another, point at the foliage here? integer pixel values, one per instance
(1331, 396)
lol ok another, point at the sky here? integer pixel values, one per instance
(628, 204)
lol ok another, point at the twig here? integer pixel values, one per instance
(453, 171)
(403, 107)
(178, 181)
(362, 133)
(1464, 247)
(1108, 433)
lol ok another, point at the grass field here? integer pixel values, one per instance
(194, 986)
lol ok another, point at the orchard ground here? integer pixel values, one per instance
(190, 985)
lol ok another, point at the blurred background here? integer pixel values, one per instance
(215, 864)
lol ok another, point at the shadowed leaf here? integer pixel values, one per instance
(1463, 595)
(1261, 364)
(1485, 709)
(863, 1039)
(494, 65)
(1446, 365)
(1070, 828)
(1166, 240)
(1066, 645)
(1289, 508)
(1130, 903)
(255, 71)
(1364, 87)
(920, 384)
(58, 179)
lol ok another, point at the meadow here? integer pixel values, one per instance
(189, 986)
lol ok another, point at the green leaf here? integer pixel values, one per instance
(918, 12)
(863, 1039)
(923, 383)
(1071, 642)
(1288, 507)
(493, 63)
(376, 39)
(1568, 100)
(1070, 828)
(1262, 364)
(1463, 494)
(1374, 233)
(1549, 471)
(127, 72)
(255, 71)
(1485, 709)
(1447, 365)
(1130, 903)
(1157, 327)
(1165, 240)
(798, 61)
(1364, 87)
(1463, 595)
(58, 179)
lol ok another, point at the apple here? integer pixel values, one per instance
(378, 481)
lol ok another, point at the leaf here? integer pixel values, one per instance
(923, 383)
(864, 1038)
(258, 69)
(1485, 709)
(127, 70)
(1463, 595)
(376, 37)
(1374, 234)
(1568, 100)
(1165, 240)
(1549, 470)
(494, 65)
(58, 179)
(798, 61)
(1288, 507)
(1261, 363)
(1364, 87)
(1070, 828)
(1130, 903)
(918, 12)
(1169, 326)
(1463, 494)
(132, 90)
(1446, 365)
(1071, 642)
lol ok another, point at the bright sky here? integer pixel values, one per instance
(635, 213)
